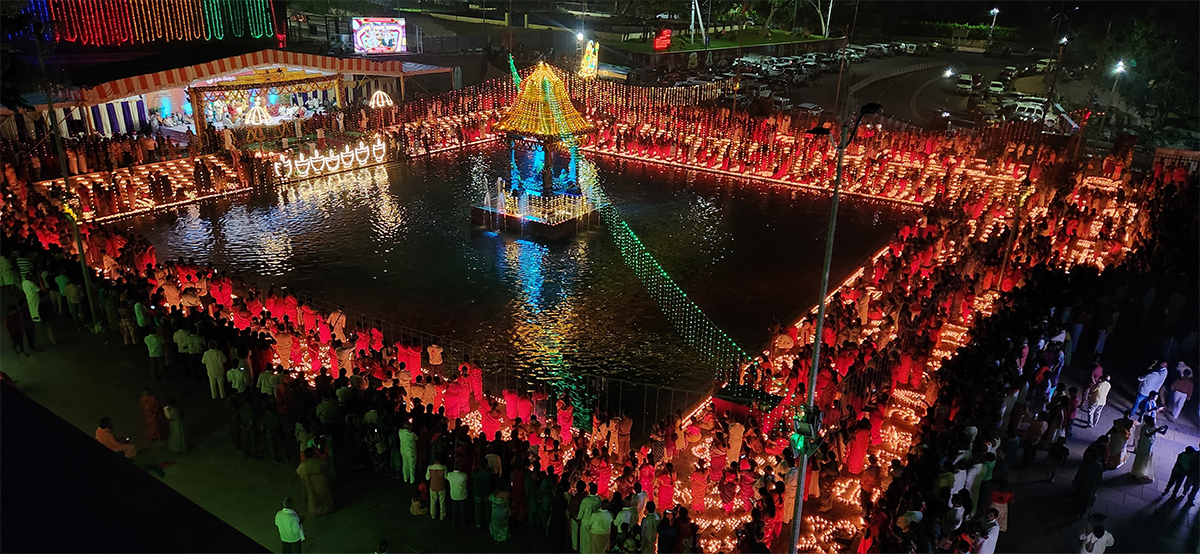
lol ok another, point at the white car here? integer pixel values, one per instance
(809, 108)
(782, 103)
(667, 15)
(965, 84)
(995, 88)
(1028, 111)
(1043, 65)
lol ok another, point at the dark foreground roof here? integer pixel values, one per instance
(64, 492)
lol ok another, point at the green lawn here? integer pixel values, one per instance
(679, 42)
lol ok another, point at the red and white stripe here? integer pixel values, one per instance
(186, 76)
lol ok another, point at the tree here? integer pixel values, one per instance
(771, 7)
(821, 14)
(1161, 64)
(16, 76)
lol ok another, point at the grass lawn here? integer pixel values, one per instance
(679, 42)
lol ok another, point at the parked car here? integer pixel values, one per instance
(782, 103)
(995, 88)
(1029, 111)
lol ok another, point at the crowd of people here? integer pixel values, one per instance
(306, 386)
(85, 153)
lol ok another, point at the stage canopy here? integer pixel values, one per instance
(200, 74)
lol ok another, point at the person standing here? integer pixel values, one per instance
(156, 424)
(457, 481)
(500, 502)
(599, 526)
(314, 476)
(436, 475)
(214, 361)
(156, 346)
(1097, 541)
(1097, 398)
(176, 440)
(649, 526)
(989, 533)
(408, 451)
(1184, 463)
(291, 528)
(589, 506)
(1143, 460)
(481, 488)
(1149, 382)
(1181, 390)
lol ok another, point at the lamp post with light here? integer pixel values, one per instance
(1112, 96)
(848, 134)
(995, 12)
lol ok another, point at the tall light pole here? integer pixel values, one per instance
(848, 134)
(995, 12)
(56, 136)
(1112, 96)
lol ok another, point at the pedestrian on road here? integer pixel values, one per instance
(1087, 479)
(1143, 461)
(1150, 381)
(1186, 461)
(156, 422)
(1097, 541)
(19, 326)
(314, 477)
(176, 440)
(214, 362)
(1181, 390)
(1097, 398)
(291, 528)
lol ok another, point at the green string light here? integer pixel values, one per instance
(697, 330)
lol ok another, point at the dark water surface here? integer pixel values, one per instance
(396, 242)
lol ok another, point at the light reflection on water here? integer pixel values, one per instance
(396, 243)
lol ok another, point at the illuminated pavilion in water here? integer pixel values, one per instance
(542, 127)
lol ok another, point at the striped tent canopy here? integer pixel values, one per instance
(543, 109)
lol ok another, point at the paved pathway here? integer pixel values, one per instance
(87, 377)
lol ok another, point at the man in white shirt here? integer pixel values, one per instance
(587, 507)
(291, 528)
(214, 362)
(1097, 541)
(599, 526)
(989, 535)
(1097, 398)
(457, 480)
(237, 379)
(650, 529)
(736, 432)
(267, 381)
(435, 358)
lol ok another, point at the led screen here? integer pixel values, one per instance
(379, 35)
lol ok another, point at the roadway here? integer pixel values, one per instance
(910, 97)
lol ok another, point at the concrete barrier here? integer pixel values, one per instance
(894, 73)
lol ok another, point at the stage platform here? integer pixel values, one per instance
(558, 229)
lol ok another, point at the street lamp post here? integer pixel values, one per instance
(995, 12)
(848, 134)
(1112, 96)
